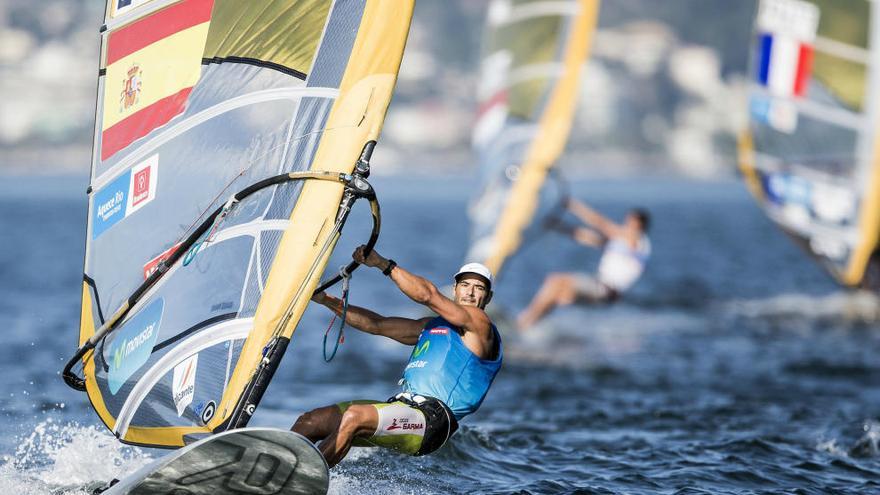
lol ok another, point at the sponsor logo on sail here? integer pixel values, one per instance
(208, 411)
(133, 344)
(222, 306)
(183, 383)
(112, 206)
(153, 264)
(130, 346)
(141, 186)
(128, 193)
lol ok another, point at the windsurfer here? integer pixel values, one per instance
(455, 359)
(626, 249)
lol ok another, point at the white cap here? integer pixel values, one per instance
(478, 269)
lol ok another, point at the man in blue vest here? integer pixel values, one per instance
(456, 356)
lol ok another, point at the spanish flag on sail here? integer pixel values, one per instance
(145, 87)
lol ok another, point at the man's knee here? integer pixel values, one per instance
(564, 287)
(316, 421)
(359, 420)
(560, 279)
(306, 422)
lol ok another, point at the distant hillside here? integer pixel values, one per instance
(660, 89)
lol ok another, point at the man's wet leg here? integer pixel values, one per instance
(318, 424)
(358, 421)
(558, 289)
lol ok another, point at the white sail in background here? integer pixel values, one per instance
(534, 51)
(810, 153)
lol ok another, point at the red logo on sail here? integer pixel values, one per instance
(153, 264)
(141, 188)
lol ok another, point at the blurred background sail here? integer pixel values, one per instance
(809, 155)
(533, 54)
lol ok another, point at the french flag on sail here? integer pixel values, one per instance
(784, 64)
(786, 33)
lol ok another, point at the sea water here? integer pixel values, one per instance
(734, 366)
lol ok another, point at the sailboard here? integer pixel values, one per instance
(231, 139)
(533, 54)
(810, 153)
(244, 461)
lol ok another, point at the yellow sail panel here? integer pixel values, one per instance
(842, 21)
(277, 32)
(746, 153)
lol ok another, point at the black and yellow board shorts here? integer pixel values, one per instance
(408, 423)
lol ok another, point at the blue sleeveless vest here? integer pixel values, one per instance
(441, 366)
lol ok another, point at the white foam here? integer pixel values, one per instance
(67, 458)
(850, 306)
(831, 447)
(373, 470)
(584, 337)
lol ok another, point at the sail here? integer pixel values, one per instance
(534, 51)
(809, 155)
(201, 255)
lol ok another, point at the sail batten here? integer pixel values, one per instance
(183, 125)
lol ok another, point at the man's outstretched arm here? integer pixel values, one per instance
(590, 216)
(404, 330)
(422, 291)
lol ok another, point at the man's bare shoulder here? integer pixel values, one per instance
(480, 320)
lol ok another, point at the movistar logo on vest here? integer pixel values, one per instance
(133, 344)
(416, 364)
(420, 349)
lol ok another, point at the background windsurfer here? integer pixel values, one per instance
(455, 359)
(626, 250)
